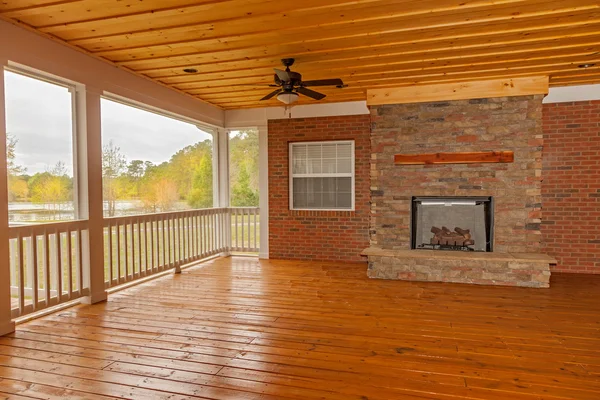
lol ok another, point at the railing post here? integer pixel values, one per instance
(6, 323)
(89, 151)
(263, 190)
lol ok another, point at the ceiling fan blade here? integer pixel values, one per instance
(272, 94)
(324, 82)
(282, 75)
(310, 93)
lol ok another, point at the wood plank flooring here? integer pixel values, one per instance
(239, 328)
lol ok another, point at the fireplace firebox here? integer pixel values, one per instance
(452, 223)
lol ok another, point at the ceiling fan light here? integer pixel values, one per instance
(287, 97)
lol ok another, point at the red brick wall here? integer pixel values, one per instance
(318, 235)
(571, 185)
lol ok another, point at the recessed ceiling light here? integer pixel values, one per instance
(190, 70)
(586, 65)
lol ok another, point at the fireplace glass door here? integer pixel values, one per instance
(452, 223)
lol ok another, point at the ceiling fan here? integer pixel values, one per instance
(290, 85)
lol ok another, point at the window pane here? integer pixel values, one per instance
(299, 166)
(329, 185)
(300, 200)
(243, 168)
(313, 151)
(299, 159)
(153, 163)
(344, 150)
(314, 185)
(344, 184)
(300, 185)
(40, 158)
(329, 150)
(329, 200)
(314, 166)
(344, 166)
(329, 166)
(344, 200)
(313, 200)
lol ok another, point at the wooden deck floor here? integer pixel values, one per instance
(237, 328)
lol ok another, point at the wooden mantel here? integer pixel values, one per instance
(459, 91)
(455, 158)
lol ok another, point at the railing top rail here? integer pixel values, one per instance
(244, 208)
(42, 228)
(169, 214)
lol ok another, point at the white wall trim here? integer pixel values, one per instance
(565, 94)
(263, 190)
(259, 116)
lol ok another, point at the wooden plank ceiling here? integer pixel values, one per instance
(235, 44)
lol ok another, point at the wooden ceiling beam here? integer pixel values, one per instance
(459, 91)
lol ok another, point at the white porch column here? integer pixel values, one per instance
(6, 324)
(222, 177)
(222, 135)
(90, 201)
(263, 189)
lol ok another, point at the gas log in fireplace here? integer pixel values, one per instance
(452, 223)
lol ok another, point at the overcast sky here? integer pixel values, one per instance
(38, 114)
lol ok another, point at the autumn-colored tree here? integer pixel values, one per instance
(113, 165)
(51, 188)
(18, 189)
(159, 194)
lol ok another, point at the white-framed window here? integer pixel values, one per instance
(322, 175)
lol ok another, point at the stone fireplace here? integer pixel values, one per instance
(504, 222)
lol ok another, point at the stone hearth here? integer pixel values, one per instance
(506, 269)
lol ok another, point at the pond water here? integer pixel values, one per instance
(23, 213)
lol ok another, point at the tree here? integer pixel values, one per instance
(242, 195)
(243, 168)
(183, 164)
(17, 186)
(201, 195)
(135, 173)
(18, 190)
(11, 147)
(52, 188)
(113, 165)
(159, 195)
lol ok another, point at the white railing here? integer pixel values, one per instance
(143, 245)
(49, 263)
(245, 229)
(46, 265)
